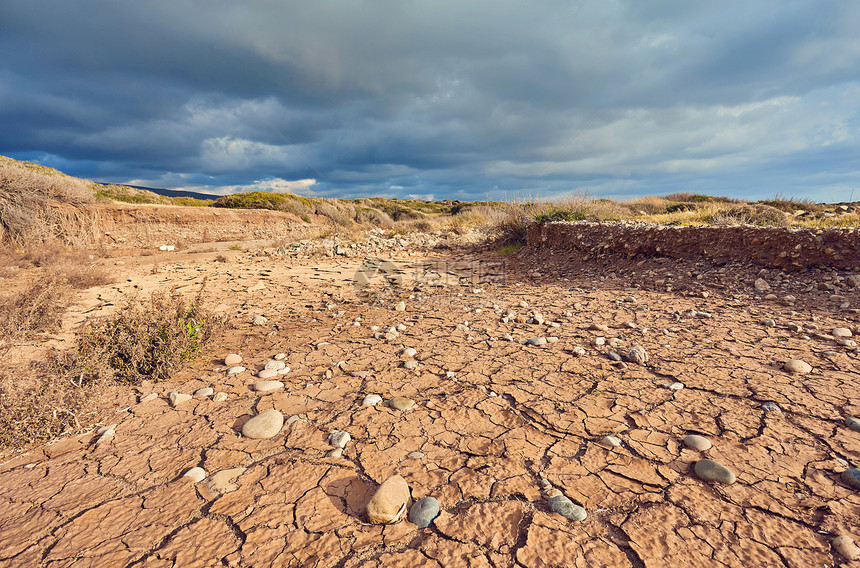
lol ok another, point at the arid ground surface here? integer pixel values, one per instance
(494, 420)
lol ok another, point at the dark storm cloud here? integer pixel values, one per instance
(442, 98)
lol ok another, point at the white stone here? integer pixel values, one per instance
(232, 360)
(204, 392)
(196, 474)
(177, 398)
(268, 386)
(371, 400)
(267, 373)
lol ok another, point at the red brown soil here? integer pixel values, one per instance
(510, 415)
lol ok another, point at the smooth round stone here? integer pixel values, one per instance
(264, 425)
(710, 470)
(267, 373)
(853, 423)
(676, 386)
(400, 307)
(567, 509)
(177, 398)
(268, 386)
(613, 356)
(284, 371)
(409, 352)
(424, 511)
(197, 474)
(851, 477)
(410, 364)
(537, 341)
(415, 455)
(232, 360)
(220, 397)
(846, 547)
(280, 356)
(797, 366)
(259, 320)
(339, 439)
(335, 453)
(389, 502)
(206, 391)
(235, 370)
(401, 403)
(598, 341)
(611, 442)
(371, 400)
(771, 407)
(841, 332)
(599, 327)
(275, 365)
(696, 442)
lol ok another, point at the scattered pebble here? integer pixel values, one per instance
(846, 547)
(613, 356)
(264, 425)
(275, 365)
(267, 373)
(696, 442)
(771, 407)
(638, 355)
(335, 453)
(409, 352)
(389, 502)
(235, 370)
(851, 477)
(797, 366)
(268, 386)
(675, 386)
(260, 320)
(415, 455)
(841, 332)
(536, 341)
(711, 470)
(205, 391)
(177, 398)
(339, 439)
(232, 360)
(196, 474)
(401, 403)
(611, 442)
(853, 423)
(400, 307)
(220, 397)
(371, 400)
(410, 364)
(424, 511)
(566, 508)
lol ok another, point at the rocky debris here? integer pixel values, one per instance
(232, 360)
(268, 386)
(266, 424)
(851, 477)
(409, 352)
(415, 455)
(675, 386)
(797, 366)
(410, 365)
(761, 285)
(771, 406)
(853, 423)
(424, 512)
(845, 546)
(204, 392)
(711, 470)
(536, 341)
(260, 320)
(339, 439)
(390, 501)
(105, 433)
(638, 355)
(276, 364)
(177, 398)
(401, 403)
(841, 332)
(196, 474)
(611, 442)
(559, 503)
(696, 442)
(371, 400)
(220, 397)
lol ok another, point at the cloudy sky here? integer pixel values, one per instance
(439, 99)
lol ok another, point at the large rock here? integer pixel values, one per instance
(846, 547)
(696, 442)
(566, 508)
(638, 355)
(389, 503)
(264, 425)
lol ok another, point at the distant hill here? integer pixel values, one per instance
(177, 193)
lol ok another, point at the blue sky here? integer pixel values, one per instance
(439, 99)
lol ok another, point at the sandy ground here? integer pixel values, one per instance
(494, 421)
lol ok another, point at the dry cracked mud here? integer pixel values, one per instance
(492, 419)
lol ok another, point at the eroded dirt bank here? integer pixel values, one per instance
(771, 247)
(494, 418)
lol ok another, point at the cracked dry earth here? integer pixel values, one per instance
(492, 418)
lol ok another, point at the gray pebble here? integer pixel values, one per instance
(851, 477)
(853, 423)
(711, 470)
(771, 407)
(613, 356)
(339, 439)
(567, 509)
(424, 511)
(537, 341)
